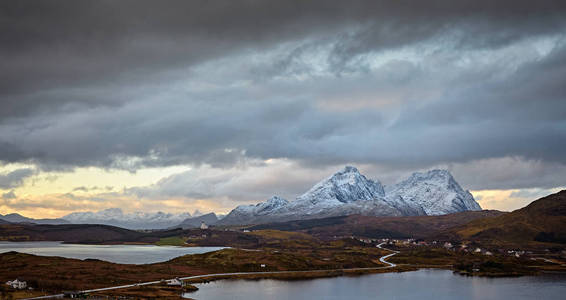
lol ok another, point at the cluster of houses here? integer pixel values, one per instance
(463, 247)
(516, 253)
(404, 242)
(17, 284)
(477, 250)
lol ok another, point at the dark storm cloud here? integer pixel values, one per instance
(151, 83)
(50, 45)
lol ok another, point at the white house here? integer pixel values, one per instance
(175, 281)
(16, 284)
(203, 225)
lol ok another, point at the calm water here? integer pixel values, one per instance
(124, 254)
(422, 284)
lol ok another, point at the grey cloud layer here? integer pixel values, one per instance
(48, 45)
(134, 83)
(15, 178)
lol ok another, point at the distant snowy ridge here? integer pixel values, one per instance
(135, 220)
(17, 218)
(348, 192)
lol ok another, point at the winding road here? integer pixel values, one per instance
(381, 259)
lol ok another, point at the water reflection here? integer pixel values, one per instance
(422, 284)
(124, 254)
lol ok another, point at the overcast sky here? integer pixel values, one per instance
(183, 105)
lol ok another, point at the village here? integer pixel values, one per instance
(461, 247)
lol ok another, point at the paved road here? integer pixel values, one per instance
(381, 259)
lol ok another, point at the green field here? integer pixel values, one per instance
(171, 241)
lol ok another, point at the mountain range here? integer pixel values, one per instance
(134, 220)
(539, 225)
(17, 218)
(348, 192)
(116, 217)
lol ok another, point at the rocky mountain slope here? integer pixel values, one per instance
(135, 220)
(348, 192)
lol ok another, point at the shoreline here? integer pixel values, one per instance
(290, 257)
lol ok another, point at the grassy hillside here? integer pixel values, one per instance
(380, 227)
(542, 221)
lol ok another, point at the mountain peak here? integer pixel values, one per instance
(274, 203)
(277, 199)
(439, 177)
(346, 185)
(15, 215)
(349, 169)
(435, 173)
(436, 191)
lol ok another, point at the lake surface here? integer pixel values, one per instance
(422, 284)
(124, 254)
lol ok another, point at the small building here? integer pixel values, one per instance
(203, 225)
(17, 284)
(175, 282)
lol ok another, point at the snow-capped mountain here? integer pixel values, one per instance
(436, 191)
(349, 192)
(261, 212)
(135, 220)
(346, 186)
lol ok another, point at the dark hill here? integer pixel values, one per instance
(380, 227)
(544, 220)
(66, 233)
